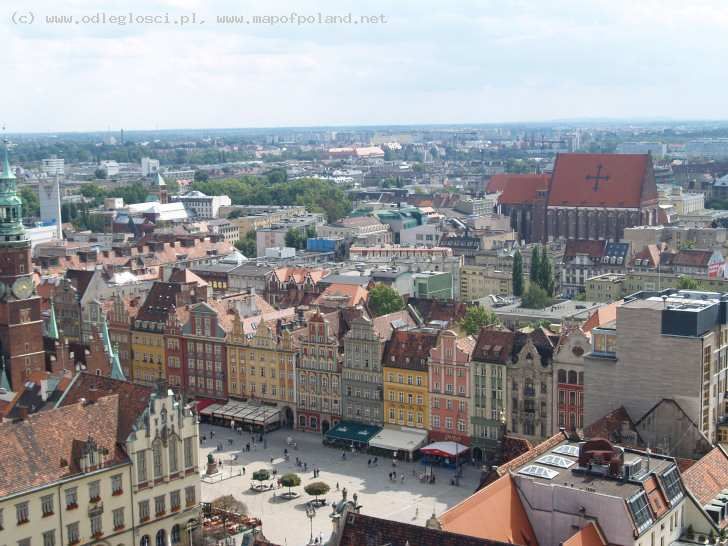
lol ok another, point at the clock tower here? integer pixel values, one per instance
(21, 325)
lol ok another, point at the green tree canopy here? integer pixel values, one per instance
(534, 272)
(230, 504)
(247, 245)
(687, 283)
(31, 203)
(290, 480)
(261, 475)
(316, 489)
(476, 317)
(517, 274)
(535, 298)
(546, 274)
(384, 299)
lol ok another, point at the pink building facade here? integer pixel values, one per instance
(449, 382)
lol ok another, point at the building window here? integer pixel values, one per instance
(159, 505)
(96, 525)
(174, 500)
(71, 498)
(188, 452)
(116, 485)
(157, 459)
(21, 513)
(72, 533)
(173, 458)
(141, 460)
(448, 423)
(46, 503)
(118, 517)
(94, 491)
(144, 510)
(49, 538)
(190, 495)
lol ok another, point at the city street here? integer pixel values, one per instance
(285, 521)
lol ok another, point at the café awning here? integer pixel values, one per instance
(444, 449)
(396, 439)
(350, 431)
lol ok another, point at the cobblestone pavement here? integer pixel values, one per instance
(285, 521)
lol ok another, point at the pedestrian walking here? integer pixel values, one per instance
(402, 478)
(243, 471)
(337, 486)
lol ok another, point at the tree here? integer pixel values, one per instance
(100, 174)
(229, 503)
(517, 274)
(316, 489)
(534, 272)
(31, 203)
(289, 481)
(687, 283)
(546, 274)
(201, 176)
(295, 239)
(247, 245)
(261, 475)
(384, 299)
(475, 318)
(535, 298)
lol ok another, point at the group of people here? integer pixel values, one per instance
(373, 462)
(393, 476)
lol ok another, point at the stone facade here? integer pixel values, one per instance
(568, 375)
(361, 376)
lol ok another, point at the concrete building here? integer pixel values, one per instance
(53, 166)
(275, 235)
(671, 344)
(201, 206)
(149, 166)
(479, 282)
(433, 285)
(362, 389)
(605, 288)
(656, 149)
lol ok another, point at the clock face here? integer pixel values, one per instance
(23, 288)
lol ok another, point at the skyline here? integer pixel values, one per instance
(429, 64)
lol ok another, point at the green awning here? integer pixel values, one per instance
(351, 431)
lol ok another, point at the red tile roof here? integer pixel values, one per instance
(361, 530)
(347, 295)
(45, 447)
(631, 181)
(518, 189)
(709, 476)
(593, 249)
(409, 349)
(603, 315)
(692, 258)
(493, 513)
(589, 535)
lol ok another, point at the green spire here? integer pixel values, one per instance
(7, 173)
(116, 371)
(52, 327)
(4, 383)
(113, 353)
(160, 180)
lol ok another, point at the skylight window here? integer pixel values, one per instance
(556, 460)
(671, 482)
(538, 472)
(566, 449)
(640, 510)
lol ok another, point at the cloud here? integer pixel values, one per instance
(470, 61)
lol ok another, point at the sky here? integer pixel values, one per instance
(451, 61)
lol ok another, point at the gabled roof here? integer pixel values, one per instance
(692, 258)
(185, 276)
(409, 349)
(593, 249)
(650, 253)
(159, 302)
(709, 476)
(603, 315)
(612, 426)
(361, 530)
(589, 535)
(133, 398)
(80, 279)
(347, 295)
(518, 189)
(447, 311)
(384, 325)
(493, 513)
(45, 447)
(630, 182)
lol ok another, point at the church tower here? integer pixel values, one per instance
(21, 325)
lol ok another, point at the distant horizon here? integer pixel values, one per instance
(549, 123)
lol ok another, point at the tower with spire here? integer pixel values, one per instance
(159, 189)
(21, 325)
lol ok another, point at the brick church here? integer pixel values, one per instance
(588, 196)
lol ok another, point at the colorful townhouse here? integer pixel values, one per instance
(404, 365)
(449, 385)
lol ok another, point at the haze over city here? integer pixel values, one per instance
(429, 62)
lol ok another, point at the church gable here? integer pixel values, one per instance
(602, 181)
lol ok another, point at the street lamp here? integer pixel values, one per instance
(310, 514)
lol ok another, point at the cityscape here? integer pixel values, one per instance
(479, 332)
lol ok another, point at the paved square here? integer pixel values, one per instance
(285, 521)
